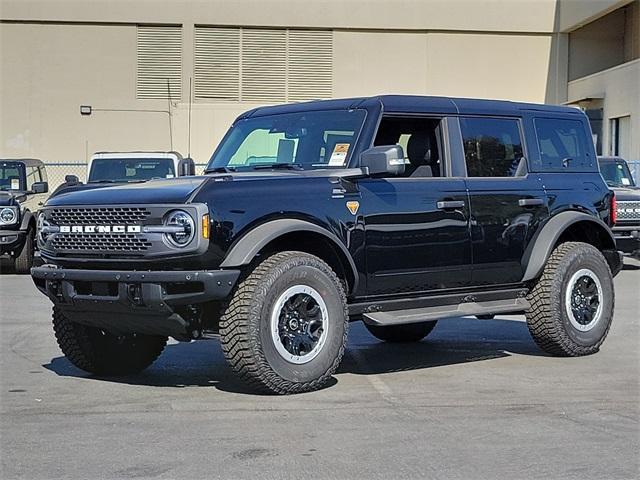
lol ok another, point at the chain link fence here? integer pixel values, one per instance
(57, 171)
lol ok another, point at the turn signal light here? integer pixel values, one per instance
(205, 226)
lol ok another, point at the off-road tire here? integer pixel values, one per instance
(245, 326)
(411, 332)
(102, 353)
(548, 318)
(24, 261)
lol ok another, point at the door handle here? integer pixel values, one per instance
(530, 202)
(450, 204)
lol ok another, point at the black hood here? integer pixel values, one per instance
(175, 190)
(627, 193)
(8, 199)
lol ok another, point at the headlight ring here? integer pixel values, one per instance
(185, 232)
(8, 215)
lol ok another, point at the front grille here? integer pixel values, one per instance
(107, 243)
(628, 210)
(99, 215)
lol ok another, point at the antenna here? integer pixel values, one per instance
(189, 129)
(170, 123)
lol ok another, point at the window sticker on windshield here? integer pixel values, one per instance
(169, 175)
(339, 155)
(15, 184)
(625, 181)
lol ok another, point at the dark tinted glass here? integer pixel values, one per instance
(562, 143)
(492, 146)
(127, 170)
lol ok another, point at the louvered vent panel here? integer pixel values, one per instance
(159, 62)
(310, 64)
(217, 63)
(264, 65)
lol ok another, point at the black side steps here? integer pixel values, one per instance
(414, 315)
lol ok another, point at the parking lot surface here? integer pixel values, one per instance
(476, 399)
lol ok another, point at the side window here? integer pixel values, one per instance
(561, 142)
(33, 176)
(421, 140)
(43, 174)
(492, 147)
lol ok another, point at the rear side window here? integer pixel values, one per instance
(492, 147)
(562, 143)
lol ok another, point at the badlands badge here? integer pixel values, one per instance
(353, 207)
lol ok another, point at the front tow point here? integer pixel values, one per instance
(134, 293)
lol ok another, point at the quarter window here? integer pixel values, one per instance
(492, 147)
(561, 143)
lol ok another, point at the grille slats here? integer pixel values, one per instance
(99, 216)
(128, 243)
(628, 210)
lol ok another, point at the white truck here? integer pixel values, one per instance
(116, 167)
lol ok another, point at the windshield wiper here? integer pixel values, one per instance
(220, 170)
(269, 166)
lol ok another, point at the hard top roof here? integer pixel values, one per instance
(415, 104)
(29, 162)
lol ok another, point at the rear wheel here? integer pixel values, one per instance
(24, 261)
(572, 302)
(285, 328)
(96, 351)
(411, 332)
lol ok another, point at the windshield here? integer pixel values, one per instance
(130, 170)
(616, 173)
(305, 140)
(11, 176)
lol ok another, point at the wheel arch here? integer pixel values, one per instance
(294, 234)
(28, 220)
(565, 227)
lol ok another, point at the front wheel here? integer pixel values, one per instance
(572, 302)
(102, 353)
(285, 328)
(411, 332)
(24, 261)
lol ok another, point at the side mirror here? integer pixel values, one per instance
(186, 167)
(71, 179)
(40, 187)
(385, 159)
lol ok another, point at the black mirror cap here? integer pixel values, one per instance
(71, 179)
(384, 159)
(40, 187)
(186, 167)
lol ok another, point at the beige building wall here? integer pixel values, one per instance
(58, 55)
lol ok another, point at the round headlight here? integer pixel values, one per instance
(8, 216)
(186, 228)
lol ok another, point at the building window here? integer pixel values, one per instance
(620, 138)
(159, 54)
(262, 65)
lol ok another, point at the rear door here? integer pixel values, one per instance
(507, 204)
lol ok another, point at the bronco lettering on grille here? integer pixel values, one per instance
(100, 228)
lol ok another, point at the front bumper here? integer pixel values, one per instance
(149, 302)
(11, 241)
(627, 239)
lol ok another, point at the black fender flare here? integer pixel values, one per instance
(539, 249)
(248, 246)
(27, 218)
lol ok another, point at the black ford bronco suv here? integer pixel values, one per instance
(395, 210)
(23, 190)
(626, 231)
